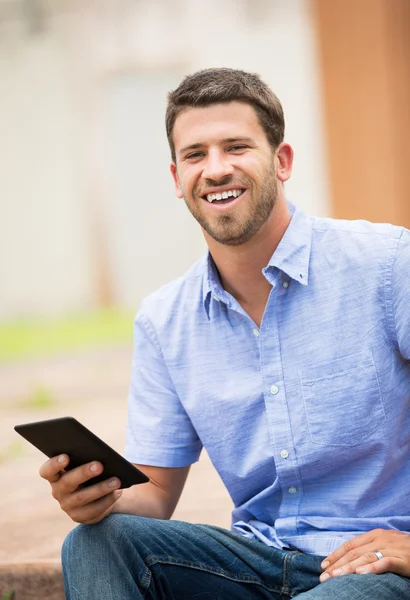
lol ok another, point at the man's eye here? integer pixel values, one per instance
(237, 148)
(194, 155)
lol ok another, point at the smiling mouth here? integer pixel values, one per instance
(223, 197)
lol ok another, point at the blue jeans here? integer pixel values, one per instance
(129, 558)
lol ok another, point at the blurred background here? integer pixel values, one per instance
(89, 218)
(89, 222)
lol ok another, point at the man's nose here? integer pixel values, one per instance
(217, 166)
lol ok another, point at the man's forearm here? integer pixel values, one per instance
(144, 500)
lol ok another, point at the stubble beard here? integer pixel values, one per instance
(231, 229)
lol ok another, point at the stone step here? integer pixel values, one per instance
(38, 580)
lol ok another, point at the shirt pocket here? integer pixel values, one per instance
(343, 405)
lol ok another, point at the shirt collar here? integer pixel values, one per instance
(212, 284)
(292, 257)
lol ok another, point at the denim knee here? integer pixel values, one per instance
(84, 541)
(105, 560)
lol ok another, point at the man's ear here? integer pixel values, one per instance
(284, 161)
(174, 173)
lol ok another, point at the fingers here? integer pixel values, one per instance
(369, 564)
(86, 504)
(51, 469)
(73, 501)
(383, 565)
(95, 511)
(76, 477)
(350, 563)
(82, 504)
(349, 550)
(358, 555)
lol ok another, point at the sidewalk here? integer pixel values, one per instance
(91, 386)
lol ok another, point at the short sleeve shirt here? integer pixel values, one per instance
(307, 417)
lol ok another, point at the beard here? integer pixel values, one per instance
(235, 229)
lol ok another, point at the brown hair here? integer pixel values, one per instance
(223, 85)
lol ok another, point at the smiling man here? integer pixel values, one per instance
(285, 352)
(239, 159)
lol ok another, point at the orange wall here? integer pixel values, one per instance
(364, 55)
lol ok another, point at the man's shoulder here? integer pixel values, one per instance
(360, 240)
(359, 228)
(185, 291)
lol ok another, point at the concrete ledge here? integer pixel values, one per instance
(38, 580)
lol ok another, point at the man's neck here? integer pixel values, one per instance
(240, 267)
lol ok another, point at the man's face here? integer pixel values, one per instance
(225, 170)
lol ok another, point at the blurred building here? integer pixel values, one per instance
(88, 214)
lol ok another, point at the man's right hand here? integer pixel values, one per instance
(85, 505)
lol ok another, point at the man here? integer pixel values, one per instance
(286, 353)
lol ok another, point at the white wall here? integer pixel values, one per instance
(44, 253)
(153, 237)
(45, 260)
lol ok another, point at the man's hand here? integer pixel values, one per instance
(83, 505)
(358, 555)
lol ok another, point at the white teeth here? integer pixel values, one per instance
(224, 195)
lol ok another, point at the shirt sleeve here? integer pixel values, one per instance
(159, 431)
(401, 294)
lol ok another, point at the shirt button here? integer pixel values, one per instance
(285, 284)
(256, 332)
(284, 453)
(292, 490)
(217, 298)
(274, 390)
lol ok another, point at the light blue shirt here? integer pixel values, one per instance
(307, 419)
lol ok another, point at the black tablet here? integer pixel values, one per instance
(66, 435)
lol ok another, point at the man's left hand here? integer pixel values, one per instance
(358, 555)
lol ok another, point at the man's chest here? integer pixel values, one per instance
(306, 378)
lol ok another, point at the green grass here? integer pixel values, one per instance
(11, 452)
(22, 339)
(39, 399)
